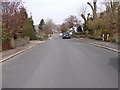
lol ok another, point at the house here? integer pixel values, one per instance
(76, 29)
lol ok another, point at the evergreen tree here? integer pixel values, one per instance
(79, 29)
(41, 25)
(33, 29)
(28, 29)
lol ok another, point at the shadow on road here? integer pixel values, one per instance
(114, 63)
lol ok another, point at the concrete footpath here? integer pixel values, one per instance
(107, 45)
(5, 55)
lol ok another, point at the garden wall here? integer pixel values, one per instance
(15, 43)
(19, 42)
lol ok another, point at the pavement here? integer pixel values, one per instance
(5, 55)
(62, 63)
(107, 45)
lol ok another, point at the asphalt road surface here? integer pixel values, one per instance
(62, 63)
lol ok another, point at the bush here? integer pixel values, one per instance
(118, 42)
(112, 40)
(105, 32)
(91, 37)
(79, 33)
(97, 38)
(5, 36)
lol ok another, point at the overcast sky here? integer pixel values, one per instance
(57, 10)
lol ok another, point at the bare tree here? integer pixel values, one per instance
(63, 27)
(83, 13)
(111, 16)
(49, 25)
(71, 21)
(85, 16)
(13, 16)
(94, 8)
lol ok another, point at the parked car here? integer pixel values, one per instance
(66, 35)
(60, 34)
(71, 34)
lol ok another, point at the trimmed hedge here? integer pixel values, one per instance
(100, 38)
(91, 37)
(79, 33)
(96, 38)
(118, 43)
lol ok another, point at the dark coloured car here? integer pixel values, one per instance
(66, 35)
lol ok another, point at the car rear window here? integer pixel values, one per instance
(66, 33)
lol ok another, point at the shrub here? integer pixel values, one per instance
(112, 40)
(118, 42)
(91, 37)
(79, 33)
(98, 38)
(6, 37)
(105, 32)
